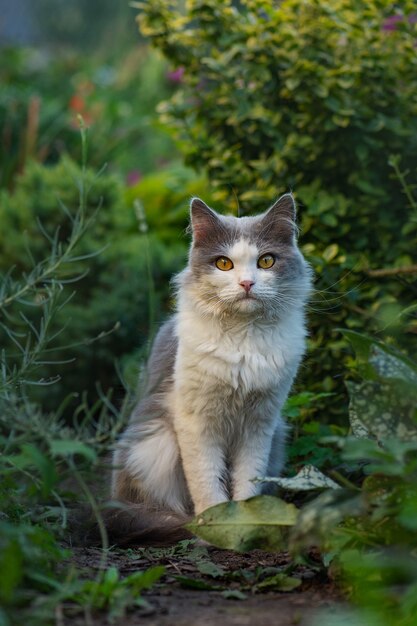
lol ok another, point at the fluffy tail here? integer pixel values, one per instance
(136, 524)
(131, 524)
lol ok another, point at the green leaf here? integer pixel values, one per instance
(330, 252)
(68, 447)
(11, 564)
(208, 568)
(318, 518)
(234, 594)
(392, 367)
(368, 348)
(408, 514)
(195, 583)
(43, 464)
(279, 582)
(261, 522)
(383, 409)
(144, 580)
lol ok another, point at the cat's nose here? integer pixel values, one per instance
(247, 285)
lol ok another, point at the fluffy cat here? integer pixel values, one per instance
(220, 370)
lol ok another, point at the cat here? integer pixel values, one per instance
(218, 374)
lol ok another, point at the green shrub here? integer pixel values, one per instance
(312, 96)
(125, 290)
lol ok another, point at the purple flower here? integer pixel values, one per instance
(391, 22)
(133, 177)
(176, 75)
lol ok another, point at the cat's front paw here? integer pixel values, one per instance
(246, 491)
(200, 507)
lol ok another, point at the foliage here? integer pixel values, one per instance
(45, 462)
(375, 545)
(308, 444)
(190, 555)
(114, 594)
(244, 525)
(314, 97)
(120, 290)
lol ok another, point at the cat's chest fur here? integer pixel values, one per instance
(248, 356)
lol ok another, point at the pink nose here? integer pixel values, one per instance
(247, 285)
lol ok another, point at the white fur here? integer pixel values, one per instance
(152, 461)
(247, 355)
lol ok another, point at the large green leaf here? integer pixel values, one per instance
(385, 361)
(382, 410)
(391, 367)
(261, 522)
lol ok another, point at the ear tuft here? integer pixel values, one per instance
(285, 206)
(203, 220)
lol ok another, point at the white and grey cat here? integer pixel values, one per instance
(220, 370)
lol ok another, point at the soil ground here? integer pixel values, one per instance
(173, 602)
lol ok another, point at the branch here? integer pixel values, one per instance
(393, 271)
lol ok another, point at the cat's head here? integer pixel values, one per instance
(247, 266)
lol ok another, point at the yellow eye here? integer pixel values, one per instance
(224, 264)
(266, 261)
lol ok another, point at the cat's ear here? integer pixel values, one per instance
(280, 218)
(204, 221)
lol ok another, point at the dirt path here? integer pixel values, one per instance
(235, 589)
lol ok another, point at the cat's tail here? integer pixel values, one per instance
(137, 524)
(129, 524)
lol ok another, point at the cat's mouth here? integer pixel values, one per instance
(247, 299)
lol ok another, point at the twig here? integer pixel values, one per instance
(393, 271)
(342, 480)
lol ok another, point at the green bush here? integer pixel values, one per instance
(132, 251)
(312, 96)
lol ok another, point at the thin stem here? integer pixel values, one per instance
(394, 162)
(96, 510)
(342, 480)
